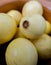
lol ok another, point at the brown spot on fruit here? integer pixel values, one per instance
(25, 24)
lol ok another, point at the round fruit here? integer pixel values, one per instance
(48, 25)
(43, 46)
(32, 27)
(7, 28)
(31, 8)
(16, 15)
(21, 52)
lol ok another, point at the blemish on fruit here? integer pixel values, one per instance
(25, 24)
(18, 25)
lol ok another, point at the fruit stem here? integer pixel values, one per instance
(25, 24)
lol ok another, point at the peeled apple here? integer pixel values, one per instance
(32, 7)
(15, 14)
(7, 28)
(43, 46)
(21, 52)
(33, 27)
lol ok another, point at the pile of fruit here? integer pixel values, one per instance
(29, 34)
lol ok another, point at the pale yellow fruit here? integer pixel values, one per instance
(31, 8)
(7, 28)
(19, 33)
(48, 25)
(21, 52)
(43, 46)
(32, 27)
(15, 14)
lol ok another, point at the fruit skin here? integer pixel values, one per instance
(7, 28)
(43, 46)
(16, 15)
(19, 34)
(36, 26)
(48, 25)
(21, 52)
(31, 8)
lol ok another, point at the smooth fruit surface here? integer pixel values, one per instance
(31, 8)
(48, 25)
(21, 52)
(7, 28)
(32, 27)
(15, 14)
(43, 46)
